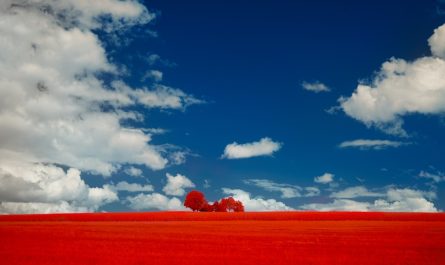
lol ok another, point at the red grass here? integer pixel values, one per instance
(223, 238)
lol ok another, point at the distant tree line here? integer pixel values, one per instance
(196, 201)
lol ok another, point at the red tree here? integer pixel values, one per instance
(229, 204)
(239, 207)
(218, 207)
(195, 200)
(206, 208)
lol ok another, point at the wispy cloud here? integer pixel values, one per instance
(435, 177)
(316, 87)
(366, 144)
(286, 190)
(392, 200)
(355, 192)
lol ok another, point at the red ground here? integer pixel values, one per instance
(223, 238)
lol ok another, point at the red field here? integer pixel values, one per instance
(223, 238)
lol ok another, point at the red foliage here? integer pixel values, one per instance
(206, 208)
(250, 238)
(217, 207)
(239, 207)
(229, 204)
(195, 200)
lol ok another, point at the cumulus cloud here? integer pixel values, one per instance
(395, 200)
(401, 87)
(176, 185)
(256, 204)
(264, 147)
(325, 178)
(366, 144)
(130, 187)
(34, 188)
(316, 87)
(55, 109)
(154, 201)
(437, 42)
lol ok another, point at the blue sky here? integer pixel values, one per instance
(281, 104)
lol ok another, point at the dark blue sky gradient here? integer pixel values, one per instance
(247, 59)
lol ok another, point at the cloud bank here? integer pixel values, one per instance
(392, 200)
(55, 110)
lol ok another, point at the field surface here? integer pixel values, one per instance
(223, 238)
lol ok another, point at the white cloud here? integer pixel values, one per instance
(315, 87)
(32, 188)
(324, 179)
(154, 75)
(160, 96)
(39, 207)
(355, 192)
(154, 201)
(338, 205)
(178, 157)
(366, 144)
(176, 185)
(265, 146)
(438, 177)
(153, 58)
(400, 88)
(132, 171)
(256, 204)
(155, 130)
(131, 187)
(311, 191)
(437, 42)
(52, 100)
(395, 200)
(287, 190)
